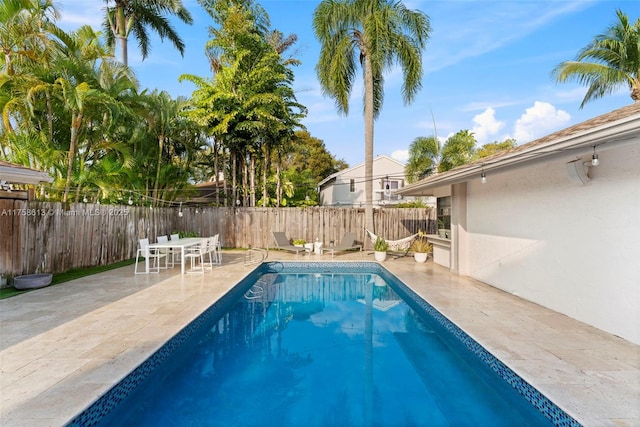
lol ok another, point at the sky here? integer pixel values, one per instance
(486, 68)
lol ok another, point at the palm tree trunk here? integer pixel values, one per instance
(216, 172)
(124, 50)
(245, 180)
(159, 163)
(225, 175)
(49, 116)
(368, 147)
(120, 30)
(265, 167)
(234, 178)
(76, 119)
(279, 181)
(252, 179)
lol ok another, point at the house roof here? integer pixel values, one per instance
(19, 174)
(333, 176)
(614, 127)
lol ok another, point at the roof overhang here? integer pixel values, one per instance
(581, 141)
(17, 174)
(328, 180)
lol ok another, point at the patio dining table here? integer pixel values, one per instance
(181, 244)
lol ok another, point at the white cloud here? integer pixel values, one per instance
(401, 155)
(539, 120)
(75, 13)
(486, 125)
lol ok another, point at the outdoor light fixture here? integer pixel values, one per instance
(594, 159)
(483, 177)
(180, 211)
(130, 201)
(578, 171)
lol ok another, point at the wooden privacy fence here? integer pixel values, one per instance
(44, 237)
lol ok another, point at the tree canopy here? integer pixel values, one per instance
(140, 16)
(80, 115)
(428, 157)
(608, 62)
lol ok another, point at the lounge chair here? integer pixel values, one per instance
(282, 242)
(347, 243)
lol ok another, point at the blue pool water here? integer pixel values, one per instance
(322, 344)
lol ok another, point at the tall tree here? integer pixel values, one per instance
(424, 157)
(78, 89)
(377, 34)
(458, 149)
(140, 16)
(610, 61)
(249, 104)
(25, 26)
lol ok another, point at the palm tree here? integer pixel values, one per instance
(139, 16)
(249, 105)
(459, 149)
(378, 34)
(611, 60)
(424, 156)
(24, 29)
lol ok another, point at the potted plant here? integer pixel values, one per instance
(442, 232)
(421, 249)
(299, 242)
(380, 248)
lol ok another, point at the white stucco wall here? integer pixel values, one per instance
(572, 248)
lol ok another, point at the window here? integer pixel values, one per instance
(389, 188)
(444, 214)
(352, 185)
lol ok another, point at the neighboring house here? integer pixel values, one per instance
(207, 192)
(346, 187)
(550, 226)
(11, 173)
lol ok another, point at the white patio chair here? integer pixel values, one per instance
(219, 249)
(145, 252)
(215, 256)
(174, 252)
(195, 253)
(167, 252)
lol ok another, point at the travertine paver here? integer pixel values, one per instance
(63, 346)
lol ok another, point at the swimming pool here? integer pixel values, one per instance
(322, 344)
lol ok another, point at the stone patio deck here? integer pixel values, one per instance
(63, 346)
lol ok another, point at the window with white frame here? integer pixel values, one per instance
(389, 188)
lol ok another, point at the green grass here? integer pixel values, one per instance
(75, 273)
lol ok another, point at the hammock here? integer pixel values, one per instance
(402, 245)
